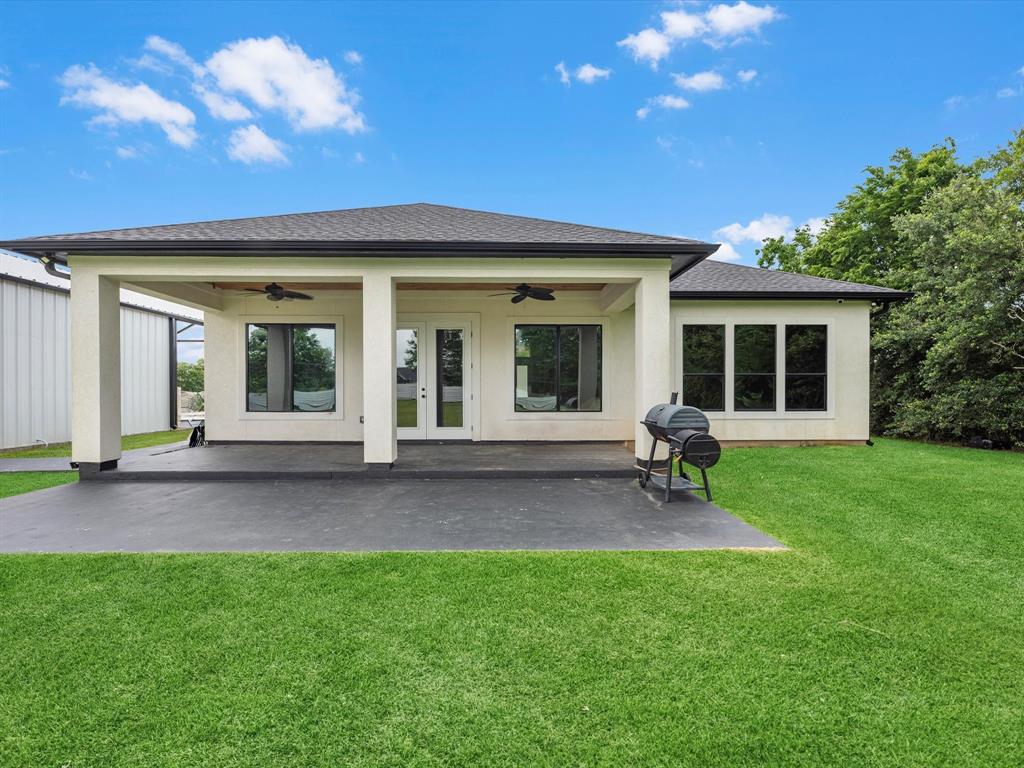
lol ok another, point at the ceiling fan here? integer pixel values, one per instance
(276, 292)
(522, 292)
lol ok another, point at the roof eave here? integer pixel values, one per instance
(875, 296)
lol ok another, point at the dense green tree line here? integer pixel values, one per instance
(949, 363)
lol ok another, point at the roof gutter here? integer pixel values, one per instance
(889, 297)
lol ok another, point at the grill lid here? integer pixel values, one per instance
(670, 417)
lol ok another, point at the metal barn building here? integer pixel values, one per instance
(35, 378)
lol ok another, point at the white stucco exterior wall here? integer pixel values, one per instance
(492, 375)
(848, 384)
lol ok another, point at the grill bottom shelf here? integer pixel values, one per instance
(658, 481)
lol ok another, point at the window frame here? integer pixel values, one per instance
(787, 375)
(725, 313)
(774, 375)
(725, 364)
(558, 326)
(334, 413)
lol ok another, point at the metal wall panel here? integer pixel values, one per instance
(35, 377)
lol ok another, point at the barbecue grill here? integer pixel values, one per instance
(685, 430)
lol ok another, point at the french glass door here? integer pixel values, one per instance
(432, 381)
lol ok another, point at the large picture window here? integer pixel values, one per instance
(754, 367)
(557, 368)
(806, 367)
(704, 367)
(290, 367)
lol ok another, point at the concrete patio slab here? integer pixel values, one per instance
(585, 514)
(63, 463)
(274, 462)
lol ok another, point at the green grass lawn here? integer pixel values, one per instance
(407, 413)
(891, 634)
(128, 442)
(13, 483)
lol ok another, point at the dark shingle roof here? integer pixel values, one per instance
(719, 280)
(417, 223)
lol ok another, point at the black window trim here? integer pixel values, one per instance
(787, 374)
(725, 355)
(291, 367)
(558, 364)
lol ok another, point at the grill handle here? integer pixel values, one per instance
(674, 399)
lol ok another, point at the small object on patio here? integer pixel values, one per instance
(198, 436)
(685, 430)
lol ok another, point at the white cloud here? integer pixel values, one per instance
(1021, 71)
(4, 82)
(740, 19)
(355, 58)
(563, 73)
(358, 158)
(700, 82)
(279, 75)
(87, 87)
(746, 75)
(954, 102)
(80, 175)
(680, 25)
(720, 25)
(251, 145)
(127, 153)
(769, 225)
(221, 107)
(648, 45)
(817, 224)
(175, 52)
(665, 101)
(590, 74)
(726, 252)
(1006, 93)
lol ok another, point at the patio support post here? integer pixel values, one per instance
(95, 370)
(652, 367)
(380, 440)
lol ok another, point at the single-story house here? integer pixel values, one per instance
(427, 322)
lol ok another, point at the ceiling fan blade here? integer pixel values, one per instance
(252, 290)
(295, 295)
(506, 293)
(544, 297)
(541, 289)
(518, 298)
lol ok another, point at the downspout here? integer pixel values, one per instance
(50, 265)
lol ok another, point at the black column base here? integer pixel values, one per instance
(92, 467)
(377, 467)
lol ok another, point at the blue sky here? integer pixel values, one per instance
(118, 115)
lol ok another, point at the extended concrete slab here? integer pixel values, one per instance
(363, 516)
(63, 463)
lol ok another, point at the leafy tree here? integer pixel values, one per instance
(947, 364)
(191, 376)
(859, 242)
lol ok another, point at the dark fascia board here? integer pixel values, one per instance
(875, 296)
(61, 289)
(683, 255)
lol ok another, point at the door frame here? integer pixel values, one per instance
(426, 324)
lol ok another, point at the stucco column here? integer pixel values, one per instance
(380, 440)
(95, 370)
(653, 364)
